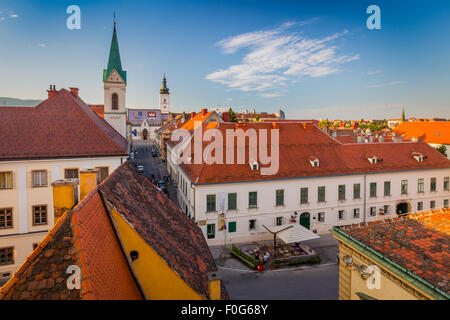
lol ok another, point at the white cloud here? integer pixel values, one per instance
(371, 73)
(388, 84)
(42, 45)
(2, 18)
(277, 56)
(14, 15)
(271, 95)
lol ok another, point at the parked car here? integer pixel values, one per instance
(140, 168)
(162, 185)
(154, 153)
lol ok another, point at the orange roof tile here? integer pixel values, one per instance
(437, 132)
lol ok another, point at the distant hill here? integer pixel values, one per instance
(13, 102)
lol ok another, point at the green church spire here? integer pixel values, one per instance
(114, 59)
(164, 88)
(403, 115)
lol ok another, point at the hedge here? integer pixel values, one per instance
(249, 260)
(315, 260)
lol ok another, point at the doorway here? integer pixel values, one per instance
(305, 220)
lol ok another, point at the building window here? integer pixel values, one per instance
(356, 213)
(39, 215)
(321, 216)
(386, 210)
(446, 203)
(279, 221)
(6, 180)
(115, 101)
(6, 218)
(6, 256)
(321, 194)
(420, 186)
(210, 203)
(102, 174)
(357, 191)
(39, 178)
(303, 195)
(251, 225)
(404, 187)
(231, 227)
(341, 214)
(419, 206)
(433, 184)
(387, 188)
(373, 211)
(252, 199)
(432, 204)
(211, 231)
(279, 197)
(446, 183)
(341, 192)
(232, 201)
(373, 190)
(71, 173)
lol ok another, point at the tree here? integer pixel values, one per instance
(324, 123)
(232, 115)
(442, 149)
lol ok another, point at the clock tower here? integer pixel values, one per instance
(164, 98)
(115, 86)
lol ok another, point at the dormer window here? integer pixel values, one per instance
(372, 160)
(418, 156)
(254, 165)
(314, 163)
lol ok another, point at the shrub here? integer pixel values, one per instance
(251, 261)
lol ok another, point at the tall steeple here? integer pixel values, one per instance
(115, 87)
(114, 58)
(164, 98)
(403, 115)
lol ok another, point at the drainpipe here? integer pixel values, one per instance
(365, 196)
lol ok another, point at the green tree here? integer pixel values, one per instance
(442, 149)
(232, 115)
(324, 123)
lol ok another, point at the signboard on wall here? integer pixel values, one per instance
(152, 115)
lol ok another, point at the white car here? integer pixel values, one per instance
(140, 168)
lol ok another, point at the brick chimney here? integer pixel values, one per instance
(214, 286)
(74, 91)
(204, 112)
(88, 181)
(51, 91)
(65, 196)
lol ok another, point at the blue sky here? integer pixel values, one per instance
(310, 58)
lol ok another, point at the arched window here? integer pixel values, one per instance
(115, 101)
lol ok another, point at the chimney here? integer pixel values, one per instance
(88, 181)
(192, 115)
(65, 196)
(51, 91)
(359, 139)
(204, 112)
(74, 91)
(214, 286)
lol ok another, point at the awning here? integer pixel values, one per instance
(292, 233)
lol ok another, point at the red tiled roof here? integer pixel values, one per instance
(86, 237)
(99, 109)
(416, 243)
(62, 126)
(431, 132)
(298, 143)
(175, 237)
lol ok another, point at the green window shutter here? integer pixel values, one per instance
(231, 226)
(357, 191)
(210, 203)
(341, 192)
(232, 197)
(280, 197)
(252, 199)
(304, 195)
(321, 194)
(211, 231)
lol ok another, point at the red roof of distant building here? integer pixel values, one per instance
(437, 132)
(62, 126)
(99, 109)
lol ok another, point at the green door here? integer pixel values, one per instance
(305, 220)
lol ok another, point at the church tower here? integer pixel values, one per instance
(164, 98)
(115, 86)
